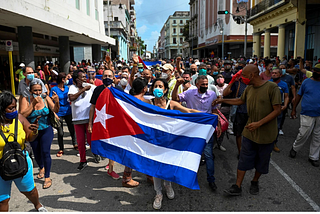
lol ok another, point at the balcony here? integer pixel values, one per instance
(174, 24)
(174, 34)
(265, 7)
(181, 24)
(116, 25)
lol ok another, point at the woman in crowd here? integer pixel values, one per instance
(64, 112)
(160, 89)
(26, 132)
(32, 107)
(79, 95)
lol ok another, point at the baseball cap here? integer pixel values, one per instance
(242, 62)
(140, 65)
(167, 67)
(22, 65)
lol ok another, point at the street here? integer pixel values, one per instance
(291, 185)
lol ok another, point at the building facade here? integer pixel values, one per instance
(297, 22)
(173, 31)
(193, 28)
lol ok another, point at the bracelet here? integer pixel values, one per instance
(135, 65)
(35, 133)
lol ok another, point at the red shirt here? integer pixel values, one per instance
(97, 82)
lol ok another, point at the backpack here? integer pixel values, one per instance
(13, 163)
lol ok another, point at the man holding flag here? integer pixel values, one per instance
(157, 142)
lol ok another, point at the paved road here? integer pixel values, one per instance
(291, 185)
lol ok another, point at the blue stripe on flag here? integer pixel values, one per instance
(203, 118)
(171, 141)
(147, 166)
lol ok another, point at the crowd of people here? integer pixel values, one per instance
(250, 96)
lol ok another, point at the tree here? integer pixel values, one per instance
(141, 46)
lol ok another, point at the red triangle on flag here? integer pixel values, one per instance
(111, 120)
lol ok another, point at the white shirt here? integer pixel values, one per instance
(81, 106)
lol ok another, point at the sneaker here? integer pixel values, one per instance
(275, 148)
(254, 188)
(169, 191)
(314, 163)
(281, 132)
(114, 175)
(87, 146)
(157, 202)
(292, 153)
(234, 190)
(213, 186)
(222, 148)
(107, 167)
(97, 158)
(55, 131)
(42, 209)
(82, 165)
(230, 131)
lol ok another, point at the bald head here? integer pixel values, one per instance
(251, 69)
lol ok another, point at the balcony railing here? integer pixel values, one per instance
(265, 6)
(174, 24)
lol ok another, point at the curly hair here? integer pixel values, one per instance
(165, 84)
(6, 98)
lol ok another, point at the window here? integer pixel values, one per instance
(174, 30)
(116, 19)
(174, 41)
(174, 22)
(181, 30)
(181, 21)
(181, 40)
(291, 40)
(88, 7)
(78, 4)
(310, 37)
(97, 14)
(96, 9)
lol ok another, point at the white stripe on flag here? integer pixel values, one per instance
(173, 126)
(184, 159)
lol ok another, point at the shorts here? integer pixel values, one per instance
(253, 155)
(240, 122)
(24, 184)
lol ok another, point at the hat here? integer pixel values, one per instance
(140, 65)
(250, 61)
(47, 62)
(167, 67)
(242, 62)
(316, 67)
(119, 65)
(197, 63)
(22, 65)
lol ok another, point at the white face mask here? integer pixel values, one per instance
(84, 84)
(123, 82)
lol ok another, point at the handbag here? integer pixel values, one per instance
(53, 120)
(223, 121)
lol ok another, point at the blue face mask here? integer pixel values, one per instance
(215, 73)
(35, 96)
(283, 71)
(131, 67)
(66, 82)
(30, 77)
(202, 72)
(140, 70)
(11, 115)
(261, 64)
(158, 92)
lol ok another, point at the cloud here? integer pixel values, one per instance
(142, 29)
(154, 34)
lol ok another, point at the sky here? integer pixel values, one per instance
(151, 16)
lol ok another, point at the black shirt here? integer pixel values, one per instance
(97, 91)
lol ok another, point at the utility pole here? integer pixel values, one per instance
(245, 31)
(108, 8)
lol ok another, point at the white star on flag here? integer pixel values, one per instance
(102, 116)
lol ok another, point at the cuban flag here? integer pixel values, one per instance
(161, 143)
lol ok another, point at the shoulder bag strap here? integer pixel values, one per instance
(168, 103)
(16, 122)
(3, 136)
(238, 89)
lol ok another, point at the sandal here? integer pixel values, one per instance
(47, 184)
(60, 153)
(76, 147)
(40, 175)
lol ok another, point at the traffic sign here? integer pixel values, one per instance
(9, 45)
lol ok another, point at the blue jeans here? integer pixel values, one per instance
(208, 155)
